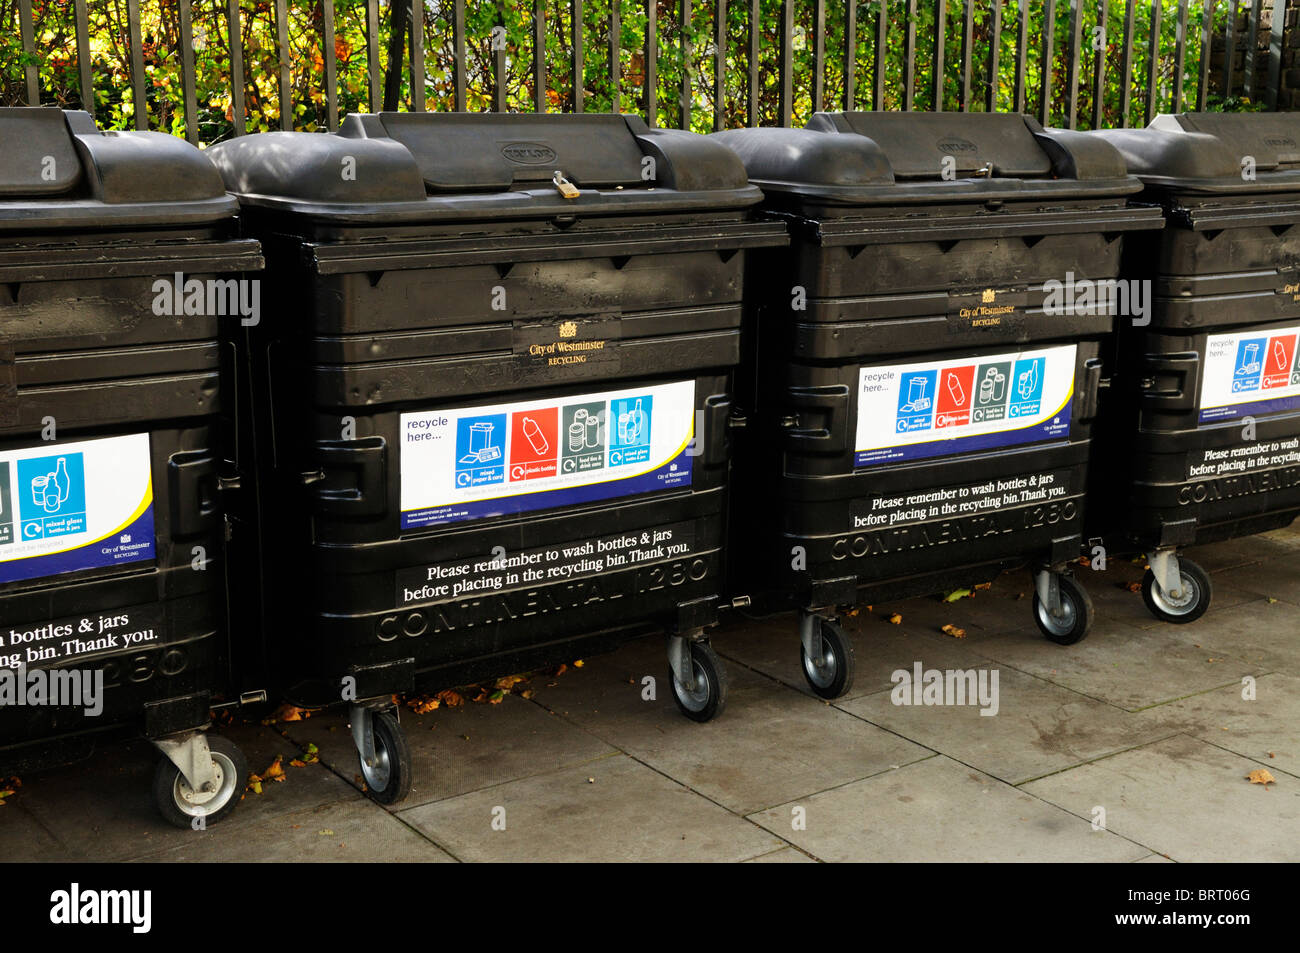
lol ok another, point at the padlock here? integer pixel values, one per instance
(567, 188)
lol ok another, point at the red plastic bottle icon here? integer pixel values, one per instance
(955, 390)
(535, 436)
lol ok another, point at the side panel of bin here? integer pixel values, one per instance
(513, 440)
(111, 422)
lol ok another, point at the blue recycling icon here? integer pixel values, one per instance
(916, 392)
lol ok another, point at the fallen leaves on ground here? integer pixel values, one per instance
(1261, 776)
(496, 697)
(956, 594)
(311, 756)
(896, 618)
(579, 663)
(450, 698)
(423, 704)
(983, 585)
(508, 682)
(1131, 586)
(561, 670)
(287, 712)
(954, 631)
(276, 771)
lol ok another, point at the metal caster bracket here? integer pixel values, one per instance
(361, 719)
(810, 635)
(1048, 586)
(189, 752)
(679, 657)
(1164, 566)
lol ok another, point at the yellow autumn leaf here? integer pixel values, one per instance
(1261, 776)
(896, 618)
(276, 771)
(954, 631)
(508, 682)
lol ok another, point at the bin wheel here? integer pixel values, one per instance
(1075, 617)
(180, 804)
(709, 696)
(834, 676)
(389, 781)
(1191, 603)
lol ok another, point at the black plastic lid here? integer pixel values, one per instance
(418, 167)
(1214, 153)
(878, 158)
(58, 170)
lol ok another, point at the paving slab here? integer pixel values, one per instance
(333, 833)
(772, 743)
(786, 855)
(1277, 578)
(1186, 799)
(1039, 727)
(1265, 729)
(460, 749)
(1126, 666)
(939, 810)
(22, 836)
(1265, 634)
(772, 648)
(614, 809)
(102, 809)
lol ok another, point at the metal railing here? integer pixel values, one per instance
(207, 69)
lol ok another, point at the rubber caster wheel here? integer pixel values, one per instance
(180, 804)
(709, 696)
(1074, 619)
(1190, 603)
(831, 675)
(389, 781)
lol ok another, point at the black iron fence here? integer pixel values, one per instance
(208, 69)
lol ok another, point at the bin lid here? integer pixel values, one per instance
(881, 158)
(424, 167)
(1214, 153)
(58, 170)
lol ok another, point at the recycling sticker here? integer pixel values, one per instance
(1250, 373)
(914, 411)
(471, 463)
(73, 506)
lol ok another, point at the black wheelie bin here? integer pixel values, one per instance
(1200, 433)
(921, 408)
(115, 256)
(493, 400)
